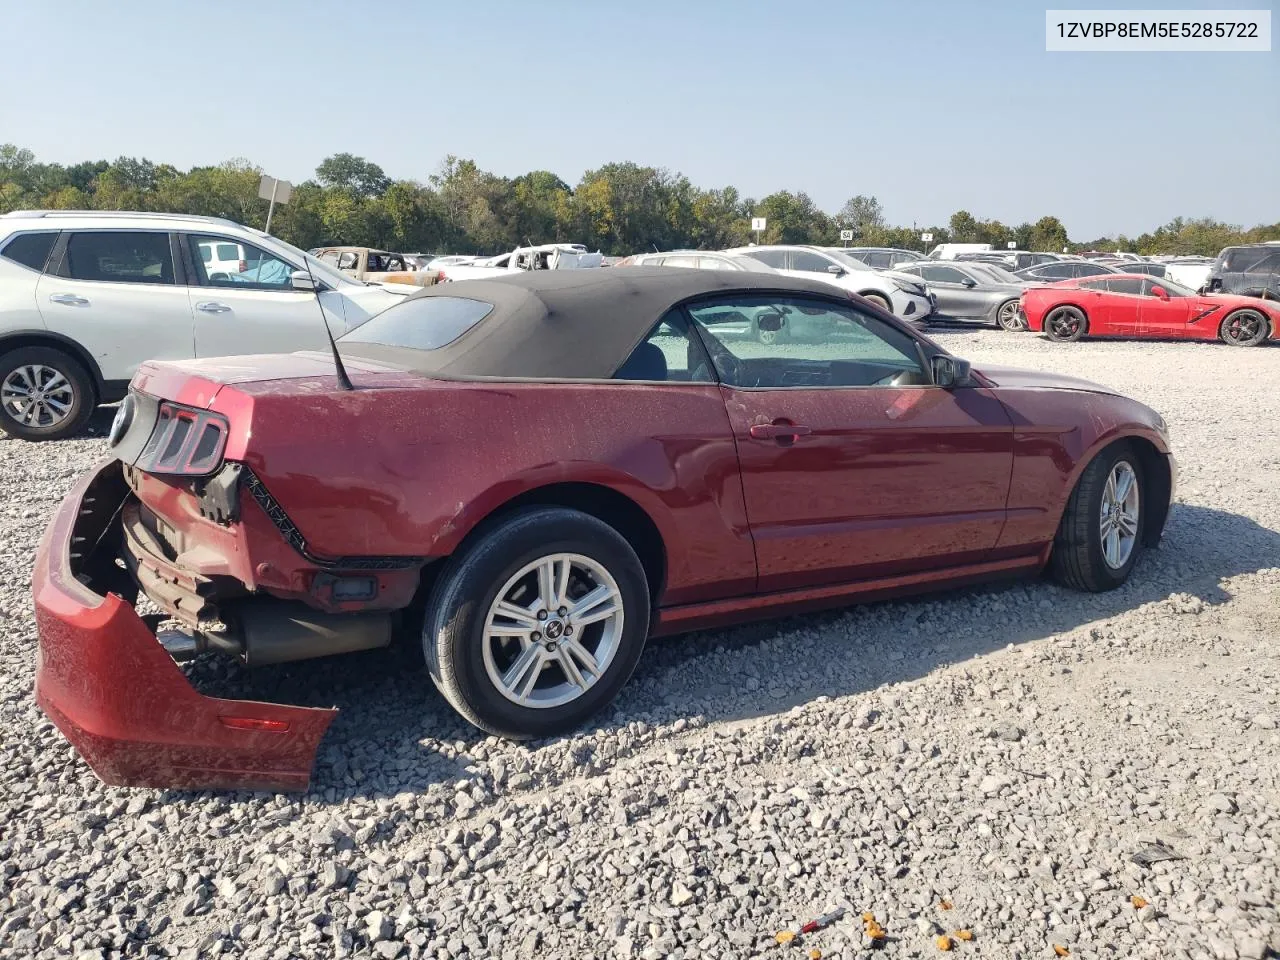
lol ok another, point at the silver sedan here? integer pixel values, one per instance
(972, 292)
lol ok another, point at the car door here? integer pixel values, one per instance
(1166, 316)
(854, 466)
(256, 310)
(1117, 307)
(115, 292)
(955, 298)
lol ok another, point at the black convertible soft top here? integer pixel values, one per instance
(566, 324)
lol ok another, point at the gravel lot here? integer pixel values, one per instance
(1006, 750)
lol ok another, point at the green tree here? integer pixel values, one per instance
(795, 218)
(863, 215)
(355, 174)
(964, 228)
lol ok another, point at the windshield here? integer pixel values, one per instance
(847, 261)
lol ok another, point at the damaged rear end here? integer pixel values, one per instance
(180, 515)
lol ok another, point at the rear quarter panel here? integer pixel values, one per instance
(413, 470)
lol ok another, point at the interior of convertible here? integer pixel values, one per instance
(776, 342)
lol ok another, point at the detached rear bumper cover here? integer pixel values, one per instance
(113, 691)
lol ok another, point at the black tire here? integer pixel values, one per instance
(1065, 324)
(880, 300)
(453, 634)
(1244, 328)
(1077, 560)
(1010, 318)
(78, 393)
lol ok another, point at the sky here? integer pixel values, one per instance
(931, 107)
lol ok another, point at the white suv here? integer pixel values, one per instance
(899, 293)
(86, 296)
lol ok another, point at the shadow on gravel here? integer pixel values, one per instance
(395, 733)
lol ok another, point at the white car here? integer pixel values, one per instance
(699, 260)
(548, 256)
(899, 293)
(86, 296)
(1191, 272)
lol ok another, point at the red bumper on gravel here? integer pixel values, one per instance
(113, 691)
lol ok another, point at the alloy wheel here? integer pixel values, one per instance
(1010, 317)
(553, 630)
(1064, 324)
(1243, 327)
(36, 395)
(1118, 515)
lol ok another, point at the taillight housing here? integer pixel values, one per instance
(185, 441)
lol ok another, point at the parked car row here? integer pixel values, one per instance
(86, 296)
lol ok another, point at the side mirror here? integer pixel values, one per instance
(835, 270)
(949, 371)
(969, 282)
(1160, 292)
(769, 322)
(301, 280)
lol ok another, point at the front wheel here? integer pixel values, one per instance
(44, 394)
(538, 624)
(1009, 317)
(1101, 531)
(1244, 328)
(1065, 324)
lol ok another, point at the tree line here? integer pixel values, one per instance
(619, 208)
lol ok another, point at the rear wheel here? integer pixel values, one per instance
(1244, 328)
(879, 300)
(1100, 535)
(44, 394)
(1009, 317)
(538, 624)
(1065, 324)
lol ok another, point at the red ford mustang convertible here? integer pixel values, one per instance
(532, 475)
(1136, 305)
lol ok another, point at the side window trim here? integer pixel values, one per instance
(695, 337)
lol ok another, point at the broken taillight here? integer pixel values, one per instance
(185, 441)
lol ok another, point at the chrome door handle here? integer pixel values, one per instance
(69, 299)
(212, 306)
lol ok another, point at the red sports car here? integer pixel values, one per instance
(532, 475)
(1137, 305)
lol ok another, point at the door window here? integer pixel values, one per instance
(1129, 285)
(809, 261)
(261, 270)
(769, 341)
(772, 258)
(30, 249)
(681, 261)
(940, 274)
(124, 256)
(670, 352)
(1056, 271)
